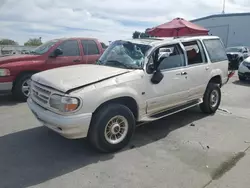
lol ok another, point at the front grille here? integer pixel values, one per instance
(40, 94)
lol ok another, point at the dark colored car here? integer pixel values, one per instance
(236, 55)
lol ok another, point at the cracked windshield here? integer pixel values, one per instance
(107, 93)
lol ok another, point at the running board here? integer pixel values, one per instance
(171, 111)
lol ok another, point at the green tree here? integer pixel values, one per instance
(33, 42)
(136, 34)
(8, 42)
(141, 35)
(144, 35)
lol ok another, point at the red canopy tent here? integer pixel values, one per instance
(177, 27)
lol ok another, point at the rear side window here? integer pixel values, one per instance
(90, 47)
(195, 52)
(215, 49)
(70, 48)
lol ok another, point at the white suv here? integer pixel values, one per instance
(133, 82)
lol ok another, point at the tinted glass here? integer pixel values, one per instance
(215, 49)
(44, 47)
(234, 49)
(195, 52)
(90, 47)
(172, 59)
(70, 48)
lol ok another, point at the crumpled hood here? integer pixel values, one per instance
(16, 58)
(71, 77)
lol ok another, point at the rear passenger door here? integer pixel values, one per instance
(198, 69)
(91, 52)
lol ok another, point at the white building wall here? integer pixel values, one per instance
(233, 29)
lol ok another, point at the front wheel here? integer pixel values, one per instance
(211, 99)
(21, 89)
(111, 128)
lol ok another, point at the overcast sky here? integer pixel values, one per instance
(103, 19)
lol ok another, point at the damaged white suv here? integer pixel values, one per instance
(134, 81)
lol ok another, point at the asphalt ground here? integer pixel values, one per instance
(188, 149)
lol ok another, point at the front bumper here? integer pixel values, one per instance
(245, 74)
(6, 84)
(244, 71)
(6, 87)
(72, 127)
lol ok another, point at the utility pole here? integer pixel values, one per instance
(224, 5)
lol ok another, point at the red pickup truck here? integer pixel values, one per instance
(15, 71)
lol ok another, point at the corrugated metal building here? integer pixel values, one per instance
(233, 29)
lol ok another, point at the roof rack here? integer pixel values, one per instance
(151, 38)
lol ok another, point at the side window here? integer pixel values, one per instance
(104, 46)
(195, 52)
(215, 49)
(70, 48)
(90, 47)
(169, 57)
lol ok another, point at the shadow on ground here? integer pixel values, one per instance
(7, 100)
(33, 156)
(242, 83)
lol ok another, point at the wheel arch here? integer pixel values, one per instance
(216, 79)
(21, 74)
(127, 101)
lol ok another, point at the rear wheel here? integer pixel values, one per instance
(211, 99)
(21, 88)
(111, 128)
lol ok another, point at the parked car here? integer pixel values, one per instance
(244, 70)
(15, 71)
(236, 55)
(132, 82)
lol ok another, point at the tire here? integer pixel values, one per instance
(17, 90)
(209, 106)
(241, 78)
(99, 125)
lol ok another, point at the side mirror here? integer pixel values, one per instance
(157, 77)
(150, 68)
(56, 53)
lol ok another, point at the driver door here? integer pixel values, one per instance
(70, 56)
(172, 90)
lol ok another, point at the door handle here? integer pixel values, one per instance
(207, 68)
(76, 60)
(183, 73)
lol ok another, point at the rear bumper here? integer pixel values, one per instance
(72, 127)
